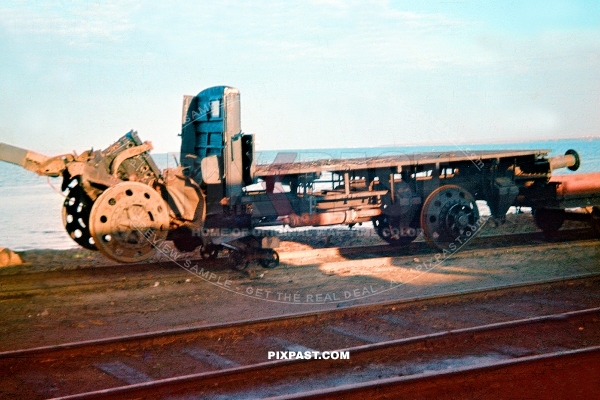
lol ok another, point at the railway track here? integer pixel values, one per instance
(420, 248)
(115, 275)
(389, 344)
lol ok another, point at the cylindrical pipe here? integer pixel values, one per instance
(332, 217)
(34, 162)
(578, 185)
(570, 160)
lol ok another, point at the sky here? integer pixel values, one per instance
(312, 74)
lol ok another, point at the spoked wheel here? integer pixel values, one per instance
(389, 229)
(270, 259)
(549, 220)
(237, 260)
(449, 217)
(76, 215)
(209, 252)
(128, 221)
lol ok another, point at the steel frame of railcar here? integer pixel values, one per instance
(436, 192)
(118, 202)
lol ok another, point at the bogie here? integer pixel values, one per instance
(120, 203)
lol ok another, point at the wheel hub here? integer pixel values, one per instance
(128, 221)
(459, 218)
(449, 215)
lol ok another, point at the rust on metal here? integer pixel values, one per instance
(429, 327)
(220, 188)
(580, 185)
(34, 162)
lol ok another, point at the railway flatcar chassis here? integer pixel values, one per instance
(117, 201)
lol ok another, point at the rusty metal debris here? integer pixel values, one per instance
(120, 203)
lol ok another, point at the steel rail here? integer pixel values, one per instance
(516, 378)
(281, 370)
(59, 363)
(473, 247)
(478, 244)
(321, 314)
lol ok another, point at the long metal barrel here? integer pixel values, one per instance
(578, 185)
(570, 160)
(31, 161)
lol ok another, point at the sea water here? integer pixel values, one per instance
(31, 206)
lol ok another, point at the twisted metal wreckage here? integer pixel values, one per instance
(120, 203)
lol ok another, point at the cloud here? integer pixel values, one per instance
(78, 23)
(365, 35)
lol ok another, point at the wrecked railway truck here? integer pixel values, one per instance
(117, 200)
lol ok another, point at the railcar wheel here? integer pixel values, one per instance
(390, 230)
(449, 217)
(549, 221)
(237, 260)
(76, 215)
(128, 221)
(271, 259)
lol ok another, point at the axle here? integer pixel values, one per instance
(120, 203)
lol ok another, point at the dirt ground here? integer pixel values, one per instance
(64, 296)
